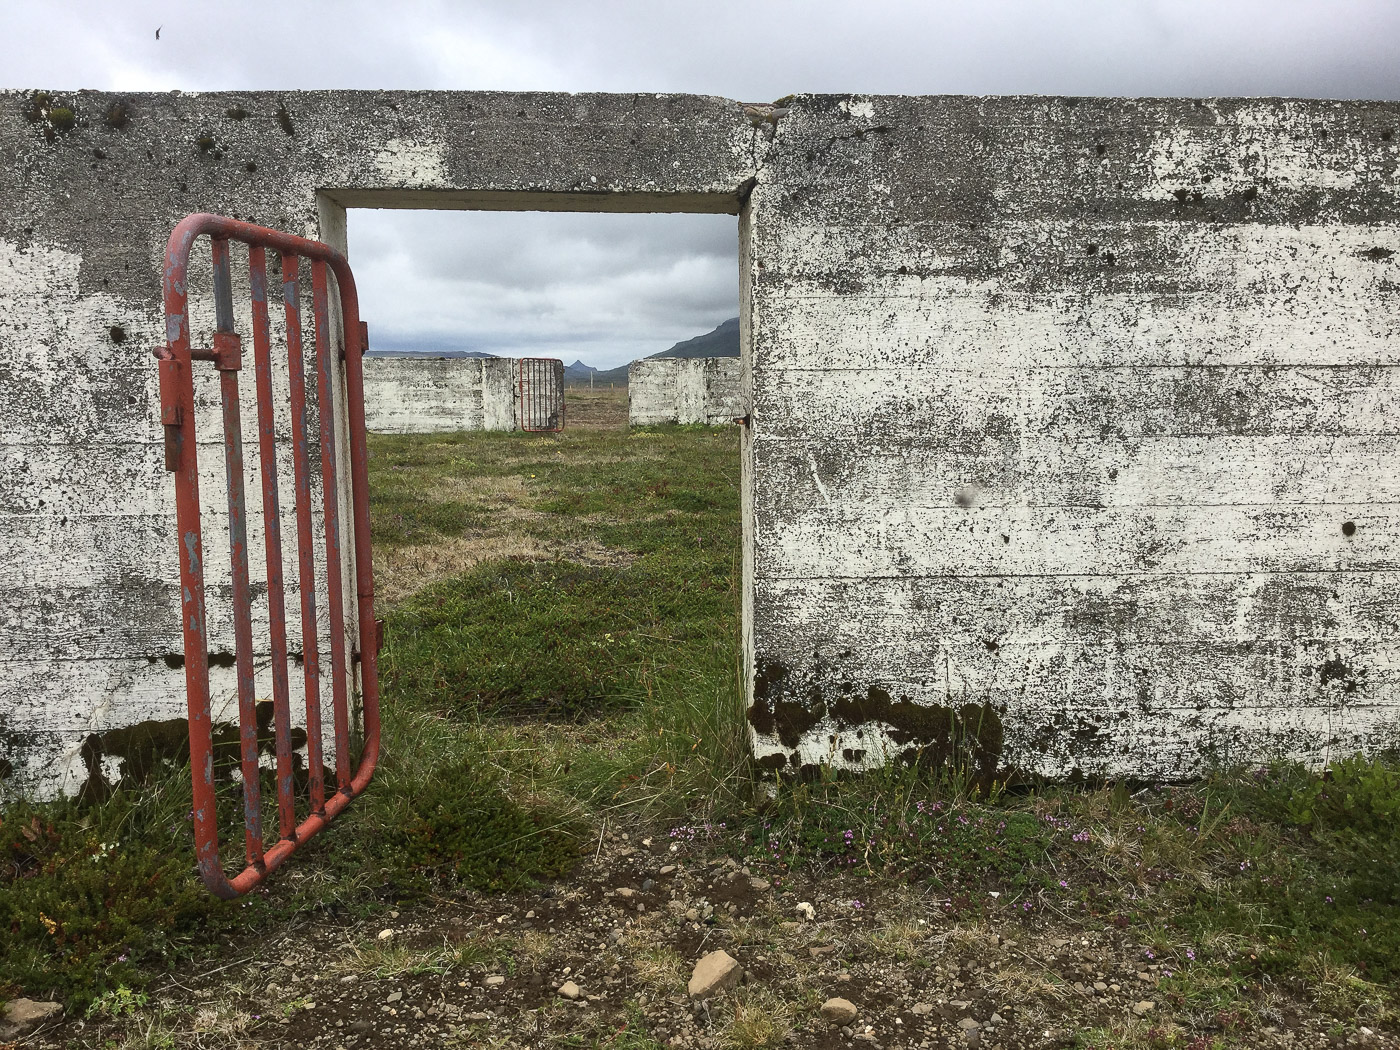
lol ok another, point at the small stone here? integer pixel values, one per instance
(386, 935)
(569, 990)
(667, 869)
(715, 973)
(996, 1019)
(806, 910)
(843, 978)
(350, 978)
(759, 885)
(692, 915)
(922, 1009)
(494, 981)
(625, 892)
(394, 997)
(647, 884)
(839, 1011)
(969, 1024)
(1144, 976)
(816, 951)
(1142, 1009)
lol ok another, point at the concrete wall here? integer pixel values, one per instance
(685, 390)
(417, 395)
(1069, 418)
(1072, 430)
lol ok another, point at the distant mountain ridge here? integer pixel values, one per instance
(722, 342)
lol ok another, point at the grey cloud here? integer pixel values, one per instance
(606, 288)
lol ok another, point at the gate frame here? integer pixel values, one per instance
(176, 359)
(532, 399)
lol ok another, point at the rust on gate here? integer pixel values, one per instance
(177, 398)
(541, 394)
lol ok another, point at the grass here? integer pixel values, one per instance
(587, 665)
(561, 646)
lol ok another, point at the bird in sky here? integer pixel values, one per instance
(158, 29)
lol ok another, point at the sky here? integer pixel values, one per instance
(608, 288)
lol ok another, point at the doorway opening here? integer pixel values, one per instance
(562, 610)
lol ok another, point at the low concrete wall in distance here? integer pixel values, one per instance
(420, 395)
(684, 390)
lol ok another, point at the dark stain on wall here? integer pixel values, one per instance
(145, 748)
(1337, 670)
(774, 713)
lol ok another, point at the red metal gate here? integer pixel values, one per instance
(177, 397)
(541, 394)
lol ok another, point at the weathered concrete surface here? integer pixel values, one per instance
(89, 616)
(1067, 416)
(703, 390)
(1069, 434)
(416, 395)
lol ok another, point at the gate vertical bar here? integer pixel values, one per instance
(306, 544)
(181, 456)
(227, 357)
(330, 491)
(272, 535)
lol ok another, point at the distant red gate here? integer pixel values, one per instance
(178, 417)
(541, 394)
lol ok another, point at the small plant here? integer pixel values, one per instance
(117, 1002)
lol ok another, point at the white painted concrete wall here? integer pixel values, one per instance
(684, 390)
(1072, 429)
(413, 395)
(1069, 418)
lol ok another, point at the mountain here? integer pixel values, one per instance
(722, 342)
(578, 372)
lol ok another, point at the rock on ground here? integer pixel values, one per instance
(839, 1011)
(24, 1014)
(715, 973)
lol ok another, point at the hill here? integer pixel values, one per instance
(578, 372)
(722, 342)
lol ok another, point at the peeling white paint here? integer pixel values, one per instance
(413, 162)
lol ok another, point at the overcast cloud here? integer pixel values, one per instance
(610, 287)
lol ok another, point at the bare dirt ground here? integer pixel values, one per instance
(603, 960)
